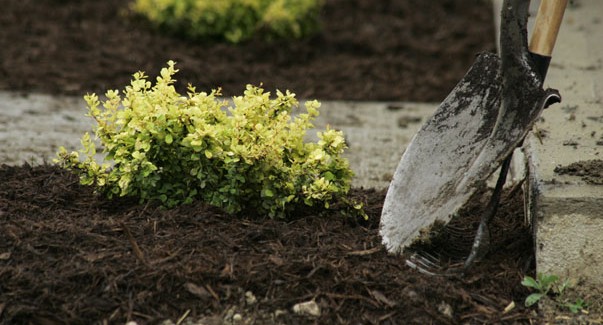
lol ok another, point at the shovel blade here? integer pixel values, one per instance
(423, 191)
(523, 98)
(467, 139)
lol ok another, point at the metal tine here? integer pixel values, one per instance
(418, 262)
(457, 232)
(430, 265)
(427, 265)
(462, 238)
(427, 259)
(448, 261)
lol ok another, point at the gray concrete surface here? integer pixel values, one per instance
(376, 133)
(567, 211)
(34, 126)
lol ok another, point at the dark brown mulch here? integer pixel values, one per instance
(368, 50)
(69, 256)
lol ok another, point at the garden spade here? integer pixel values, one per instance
(471, 134)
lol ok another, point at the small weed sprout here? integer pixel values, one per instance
(248, 154)
(543, 285)
(548, 284)
(577, 306)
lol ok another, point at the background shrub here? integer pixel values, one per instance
(233, 20)
(245, 154)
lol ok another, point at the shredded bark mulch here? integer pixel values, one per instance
(70, 256)
(368, 50)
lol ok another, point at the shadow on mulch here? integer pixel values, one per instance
(69, 256)
(411, 50)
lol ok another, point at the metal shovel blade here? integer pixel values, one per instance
(423, 190)
(522, 93)
(467, 139)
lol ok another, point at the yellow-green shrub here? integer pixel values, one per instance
(233, 20)
(245, 154)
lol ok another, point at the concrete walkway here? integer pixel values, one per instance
(566, 209)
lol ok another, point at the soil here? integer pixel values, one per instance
(70, 256)
(591, 171)
(386, 50)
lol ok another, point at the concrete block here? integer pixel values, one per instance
(567, 209)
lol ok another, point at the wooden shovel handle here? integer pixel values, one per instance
(546, 27)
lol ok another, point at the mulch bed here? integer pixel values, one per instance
(368, 50)
(69, 256)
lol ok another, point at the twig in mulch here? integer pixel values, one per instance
(135, 247)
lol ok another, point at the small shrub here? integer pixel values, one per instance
(248, 154)
(233, 20)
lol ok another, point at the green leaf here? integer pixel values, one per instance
(576, 307)
(530, 282)
(329, 176)
(573, 308)
(547, 280)
(561, 287)
(533, 298)
(168, 138)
